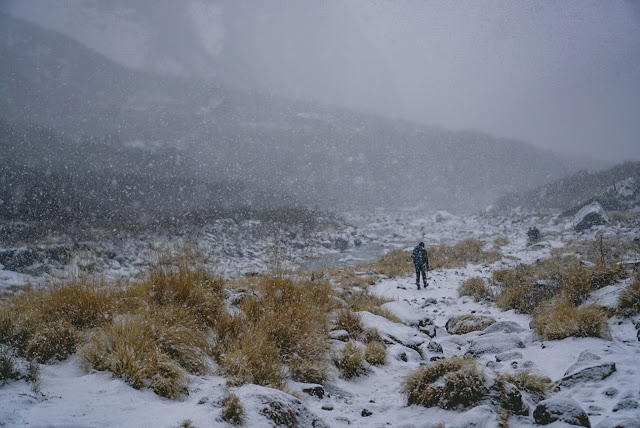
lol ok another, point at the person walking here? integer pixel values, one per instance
(421, 262)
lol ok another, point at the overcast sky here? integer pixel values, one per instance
(562, 75)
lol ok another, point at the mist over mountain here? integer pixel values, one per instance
(90, 120)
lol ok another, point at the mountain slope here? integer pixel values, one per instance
(319, 155)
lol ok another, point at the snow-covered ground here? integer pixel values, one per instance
(72, 396)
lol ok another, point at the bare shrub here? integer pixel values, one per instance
(375, 354)
(351, 362)
(474, 287)
(629, 299)
(458, 255)
(450, 384)
(560, 318)
(232, 410)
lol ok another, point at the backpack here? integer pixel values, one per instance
(418, 256)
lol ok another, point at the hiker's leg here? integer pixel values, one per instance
(418, 275)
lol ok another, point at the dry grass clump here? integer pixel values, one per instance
(525, 287)
(474, 287)
(375, 354)
(458, 255)
(500, 241)
(395, 263)
(536, 385)
(7, 365)
(629, 299)
(560, 318)
(450, 384)
(464, 324)
(291, 319)
(232, 410)
(351, 361)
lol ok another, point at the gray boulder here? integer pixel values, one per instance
(585, 358)
(619, 423)
(560, 409)
(589, 216)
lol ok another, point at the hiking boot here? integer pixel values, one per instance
(418, 286)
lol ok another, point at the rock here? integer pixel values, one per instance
(434, 347)
(560, 409)
(464, 324)
(619, 423)
(494, 343)
(341, 335)
(429, 301)
(626, 404)
(610, 392)
(365, 413)
(429, 330)
(589, 374)
(584, 359)
(511, 399)
(391, 331)
(494, 365)
(327, 407)
(508, 356)
(504, 327)
(314, 390)
(408, 313)
(589, 216)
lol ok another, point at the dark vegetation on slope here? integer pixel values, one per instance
(573, 192)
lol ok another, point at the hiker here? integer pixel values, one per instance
(421, 262)
(533, 233)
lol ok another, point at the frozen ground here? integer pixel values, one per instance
(71, 396)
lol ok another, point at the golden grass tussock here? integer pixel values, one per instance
(364, 301)
(232, 410)
(351, 361)
(475, 287)
(629, 299)
(464, 324)
(458, 255)
(350, 277)
(127, 348)
(560, 318)
(375, 353)
(453, 383)
(500, 241)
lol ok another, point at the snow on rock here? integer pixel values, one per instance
(408, 313)
(589, 216)
(267, 407)
(560, 409)
(620, 423)
(494, 343)
(504, 327)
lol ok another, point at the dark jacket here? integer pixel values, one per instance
(420, 257)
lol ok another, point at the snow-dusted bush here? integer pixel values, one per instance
(375, 354)
(536, 385)
(350, 321)
(395, 263)
(464, 324)
(474, 287)
(363, 301)
(351, 361)
(7, 365)
(629, 299)
(560, 318)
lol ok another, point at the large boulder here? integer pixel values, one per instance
(589, 216)
(464, 324)
(560, 409)
(495, 343)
